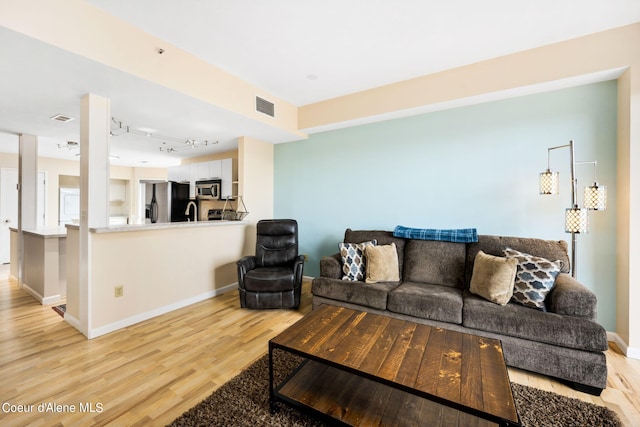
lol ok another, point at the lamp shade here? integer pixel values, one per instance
(549, 182)
(576, 220)
(595, 197)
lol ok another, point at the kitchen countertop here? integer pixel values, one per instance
(158, 226)
(45, 232)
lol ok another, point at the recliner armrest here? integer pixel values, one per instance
(247, 263)
(298, 268)
(570, 297)
(331, 266)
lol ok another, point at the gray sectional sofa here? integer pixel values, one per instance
(564, 342)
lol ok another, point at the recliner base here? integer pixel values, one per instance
(270, 300)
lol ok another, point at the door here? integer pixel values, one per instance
(9, 208)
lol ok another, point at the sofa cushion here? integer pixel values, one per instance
(382, 237)
(434, 262)
(521, 322)
(354, 263)
(434, 302)
(495, 245)
(493, 277)
(535, 278)
(372, 295)
(382, 263)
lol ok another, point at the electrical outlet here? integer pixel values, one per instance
(119, 291)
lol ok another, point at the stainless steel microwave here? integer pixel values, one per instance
(209, 189)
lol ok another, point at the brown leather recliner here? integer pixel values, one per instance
(273, 277)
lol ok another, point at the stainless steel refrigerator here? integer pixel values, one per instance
(166, 201)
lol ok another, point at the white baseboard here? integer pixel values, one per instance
(630, 352)
(51, 300)
(112, 327)
(42, 300)
(32, 292)
(72, 321)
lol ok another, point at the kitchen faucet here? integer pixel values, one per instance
(195, 209)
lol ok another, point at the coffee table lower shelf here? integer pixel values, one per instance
(347, 399)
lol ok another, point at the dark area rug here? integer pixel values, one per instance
(244, 401)
(60, 309)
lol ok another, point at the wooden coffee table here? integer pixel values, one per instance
(365, 369)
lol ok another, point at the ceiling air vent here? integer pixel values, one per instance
(62, 118)
(265, 107)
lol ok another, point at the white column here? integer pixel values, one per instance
(27, 192)
(95, 116)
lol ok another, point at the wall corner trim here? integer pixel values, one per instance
(630, 352)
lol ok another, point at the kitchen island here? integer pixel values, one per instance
(136, 272)
(45, 263)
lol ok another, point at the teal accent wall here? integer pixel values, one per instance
(474, 166)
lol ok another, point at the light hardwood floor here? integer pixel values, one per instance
(150, 373)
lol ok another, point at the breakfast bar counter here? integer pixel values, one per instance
(162, 226)
(139, 271)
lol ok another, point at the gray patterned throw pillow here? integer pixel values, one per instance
(535, 278)
(354, 264)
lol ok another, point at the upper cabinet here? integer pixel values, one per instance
(215, 168)
(180, 173)
(193, 172)
(227, 178)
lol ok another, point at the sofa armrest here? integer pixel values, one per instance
(331, 266)
(570, 297)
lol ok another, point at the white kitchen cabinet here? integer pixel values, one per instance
(181, 173)
(222, 169)
(215, 169)
(172, 173)
(193, 177)
(205, 170)
(193, 173)
(202, 170)
(227, 178)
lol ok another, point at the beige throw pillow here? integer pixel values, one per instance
(382, 264)
(493, 277)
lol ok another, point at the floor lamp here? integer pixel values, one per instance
(576, 217)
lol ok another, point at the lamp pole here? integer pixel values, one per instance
(574, 191)
(574, 204)
(576, 219)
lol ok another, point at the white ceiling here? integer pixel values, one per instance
(302, 51)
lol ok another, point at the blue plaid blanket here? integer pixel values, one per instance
(462, 235)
